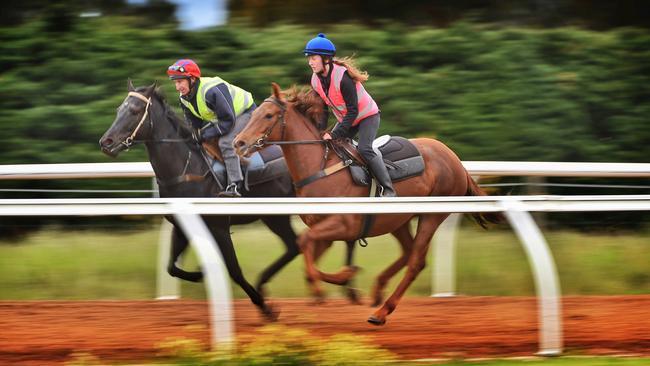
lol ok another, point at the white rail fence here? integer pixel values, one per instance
(515, 208)
(475, 168)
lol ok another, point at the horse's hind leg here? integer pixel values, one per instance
(281, 226)
(179, 245)
(427, 226)
(403, 235)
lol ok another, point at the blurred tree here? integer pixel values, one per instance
(598, 14)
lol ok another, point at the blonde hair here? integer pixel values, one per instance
(350, 64)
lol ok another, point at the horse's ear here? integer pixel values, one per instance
(129, 85)
(276, 92)
(150, 89)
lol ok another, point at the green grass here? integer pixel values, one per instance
(116, 264)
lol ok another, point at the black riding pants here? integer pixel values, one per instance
(367, 130)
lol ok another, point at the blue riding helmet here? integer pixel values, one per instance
(320, 46)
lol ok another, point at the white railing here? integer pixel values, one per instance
(516, 209)
(477, 168)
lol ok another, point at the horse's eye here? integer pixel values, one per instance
(268, 116)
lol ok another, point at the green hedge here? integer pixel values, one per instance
(490, 93)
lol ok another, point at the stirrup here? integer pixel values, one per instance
(382, 189)
(231, 190)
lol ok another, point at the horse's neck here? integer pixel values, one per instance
(168, 159)
(303, 160)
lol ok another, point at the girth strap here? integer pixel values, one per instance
(323, 173)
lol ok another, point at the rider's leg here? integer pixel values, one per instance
(230, 157)
(367, 133)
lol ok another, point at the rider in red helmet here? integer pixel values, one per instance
(339, 83)
(216, 109)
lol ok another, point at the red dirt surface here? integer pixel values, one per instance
(53, 332)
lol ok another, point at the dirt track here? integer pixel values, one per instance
(47, 332)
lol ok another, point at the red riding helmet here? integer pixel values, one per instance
(184, 69)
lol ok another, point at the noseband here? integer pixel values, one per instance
(262, 140)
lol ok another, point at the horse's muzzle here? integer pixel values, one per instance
(110, 147)
(242, 148)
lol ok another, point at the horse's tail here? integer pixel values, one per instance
(482, 218)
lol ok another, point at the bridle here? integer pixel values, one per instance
(129, 140)
(262, 140)
(323, 172)
(184, 177)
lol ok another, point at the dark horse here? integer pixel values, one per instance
(181, 171)
(294, 119)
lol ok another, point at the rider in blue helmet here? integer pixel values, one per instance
(339, 83)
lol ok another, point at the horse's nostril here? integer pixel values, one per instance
(239, 143)
(106, 142)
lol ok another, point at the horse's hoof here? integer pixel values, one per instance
(353, 295)
(376, 321)
(319, 300)
(270, 312)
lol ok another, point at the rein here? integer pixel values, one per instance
(323, 172)
(184, 177)
(262, 140)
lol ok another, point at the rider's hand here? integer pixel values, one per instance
(327, 136)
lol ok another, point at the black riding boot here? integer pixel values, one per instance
(378, 170)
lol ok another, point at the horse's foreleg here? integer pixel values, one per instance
(311, 273)
(427, 226)
(353, 294)
(224, 241)
(324, 231)
(281, 226)
(179, 245)
(405, 239)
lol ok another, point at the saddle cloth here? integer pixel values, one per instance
(402, 159)
(261, 167)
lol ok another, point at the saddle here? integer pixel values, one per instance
(262, 166)
(402, 159)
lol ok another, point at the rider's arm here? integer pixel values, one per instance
(322, 123)
(349, 92)
(220, 102)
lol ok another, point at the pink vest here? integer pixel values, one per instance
(367, 106)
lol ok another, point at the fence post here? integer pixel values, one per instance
(545, 274)
(215, 274)
(443, 273)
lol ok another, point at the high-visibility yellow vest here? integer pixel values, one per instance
(241, 99)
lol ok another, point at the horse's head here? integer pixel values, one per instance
(129, 124)
(266, 124)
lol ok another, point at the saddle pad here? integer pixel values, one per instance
(398, 148)
(265, 165)
(402, 159)
(271, 153)
(261, 167)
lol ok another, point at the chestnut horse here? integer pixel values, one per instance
(292, 118)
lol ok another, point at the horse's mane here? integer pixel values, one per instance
(307, 102)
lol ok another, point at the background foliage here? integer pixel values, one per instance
(491, 91)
